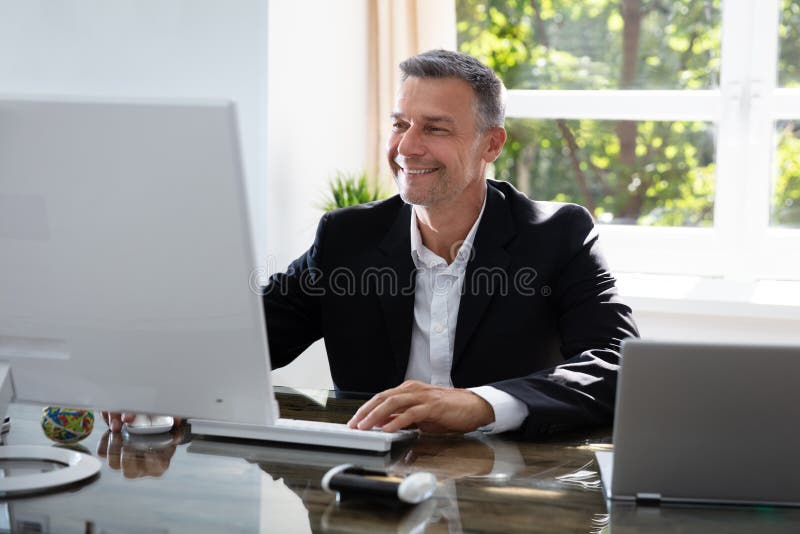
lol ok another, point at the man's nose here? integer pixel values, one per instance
(411, 143)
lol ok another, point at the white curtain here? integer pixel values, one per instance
(397, 30)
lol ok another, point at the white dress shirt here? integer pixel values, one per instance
(436, 300)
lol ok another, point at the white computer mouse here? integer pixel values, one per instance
(150, 424)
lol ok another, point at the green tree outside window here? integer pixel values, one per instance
(646, 172)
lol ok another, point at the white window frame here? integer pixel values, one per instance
(741, 245)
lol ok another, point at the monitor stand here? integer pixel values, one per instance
(77, 466)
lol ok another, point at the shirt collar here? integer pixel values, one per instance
(424, 257)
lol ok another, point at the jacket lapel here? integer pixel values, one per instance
(489, 260)
(397, 297)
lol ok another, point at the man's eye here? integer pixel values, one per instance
(398, 126)
(436, 129)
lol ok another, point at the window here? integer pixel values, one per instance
(666, 178)
(676, 122)
(786, 187)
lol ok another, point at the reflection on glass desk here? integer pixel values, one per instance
(181, 483)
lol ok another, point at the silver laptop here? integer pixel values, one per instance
(708, 423)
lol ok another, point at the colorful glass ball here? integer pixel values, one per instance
(66, 425)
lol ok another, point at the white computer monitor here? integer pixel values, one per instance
(126, 259)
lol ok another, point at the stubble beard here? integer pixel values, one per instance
(435, 193)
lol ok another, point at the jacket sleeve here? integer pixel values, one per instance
(292, 303)
(592, 322)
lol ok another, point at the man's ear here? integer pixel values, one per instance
(496, 139)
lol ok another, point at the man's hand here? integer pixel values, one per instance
(139, 456)
(114, 420)
(431, 408)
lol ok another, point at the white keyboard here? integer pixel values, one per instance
(305, 433)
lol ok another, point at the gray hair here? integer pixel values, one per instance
(488, 88)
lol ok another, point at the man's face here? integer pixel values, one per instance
(436, 150)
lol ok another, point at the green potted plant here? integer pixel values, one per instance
(350, 189)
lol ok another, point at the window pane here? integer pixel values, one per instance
(786, 186)
(653, 173)
(601, 44)
(789, 42)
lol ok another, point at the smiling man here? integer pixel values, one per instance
(460, 303)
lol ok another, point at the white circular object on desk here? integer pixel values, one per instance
(150, 424)
(417, 487)
(79, 466)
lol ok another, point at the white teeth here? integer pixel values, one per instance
(420, 171)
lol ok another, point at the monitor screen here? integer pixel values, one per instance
(127, 258)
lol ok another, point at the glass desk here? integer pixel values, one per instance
(181, 483)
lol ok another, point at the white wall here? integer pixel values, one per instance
(317, 112)
(317, 124)
(150, 49)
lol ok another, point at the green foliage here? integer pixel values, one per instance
(579, 44)
(786, 189)
(347, 189)
(786, 195)
(789, 42)
(671, 181)
(650, 173)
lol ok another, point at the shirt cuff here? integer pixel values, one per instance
(509, 411)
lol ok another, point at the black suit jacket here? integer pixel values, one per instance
(539, 316)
